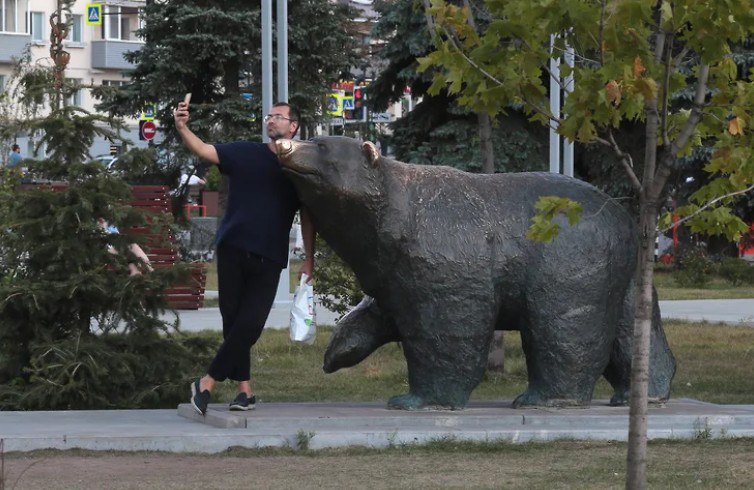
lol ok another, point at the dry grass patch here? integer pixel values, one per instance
(444, 464)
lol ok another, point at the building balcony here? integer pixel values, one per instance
(12, 45)
(108, 55)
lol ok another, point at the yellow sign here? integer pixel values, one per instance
(334, 105)
(148, 113)
(93, 14)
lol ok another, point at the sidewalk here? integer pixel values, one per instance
(732, 311)
(322, 425)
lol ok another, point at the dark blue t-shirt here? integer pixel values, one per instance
(261, 201)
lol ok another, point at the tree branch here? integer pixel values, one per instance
(709, 204)
(625, 159)
(430, 23)
(469, 60)
(664, 169)
(696, 112)
(666, 95)
(678, 59)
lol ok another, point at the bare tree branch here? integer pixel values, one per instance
(709, 204)
(685, 133)
(665, 94)
(430, 23)
(679, 58)
(625, 159)
(469, 60)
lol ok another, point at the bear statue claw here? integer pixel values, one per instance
(407, 401)
(619, 399)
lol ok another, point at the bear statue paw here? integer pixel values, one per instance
(528, 399)
(407, 401)
(620, 399)
(534, 399)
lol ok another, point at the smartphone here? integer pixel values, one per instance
(187, 98)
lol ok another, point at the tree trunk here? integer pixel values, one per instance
(636, 465)
(496, 359)
(485, 140)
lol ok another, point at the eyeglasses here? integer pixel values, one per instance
(276, 118)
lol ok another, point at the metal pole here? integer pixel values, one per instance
(282, 26)
(568, 144)
(266, 62)
(554, 107)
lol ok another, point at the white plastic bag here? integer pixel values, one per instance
(303, 327)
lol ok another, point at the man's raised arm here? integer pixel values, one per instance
(193, 142)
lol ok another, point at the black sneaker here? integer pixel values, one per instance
(243, 402)
(199, 399)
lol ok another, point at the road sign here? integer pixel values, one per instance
(148, 113)
(93, 14)
(147, 130)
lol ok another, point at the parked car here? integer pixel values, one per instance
(107, 160)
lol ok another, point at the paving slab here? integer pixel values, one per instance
(731, 311)
(324, 425)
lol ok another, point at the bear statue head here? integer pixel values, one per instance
(332, 169)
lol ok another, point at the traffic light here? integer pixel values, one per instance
(358, 98)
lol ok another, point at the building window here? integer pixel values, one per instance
(76, 28)
(9, 15)
(37, 26)
(120, 23)
(74, 95)
(113, 83)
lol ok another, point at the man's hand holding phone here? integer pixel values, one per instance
(181, 114)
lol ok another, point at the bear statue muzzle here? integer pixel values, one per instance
(284, 147)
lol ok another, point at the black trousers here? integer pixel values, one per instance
(247, 285)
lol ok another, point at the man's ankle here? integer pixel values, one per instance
(207, 383)
(245, 387)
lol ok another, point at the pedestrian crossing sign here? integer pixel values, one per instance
(94, 14)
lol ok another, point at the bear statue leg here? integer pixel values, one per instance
(567, 343)
(362, 331)
(444, 365)
(661, 359)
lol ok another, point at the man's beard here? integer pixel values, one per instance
(275, 134)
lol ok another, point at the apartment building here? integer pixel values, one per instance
(96, 50)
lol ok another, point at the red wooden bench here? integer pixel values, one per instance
(162, 251)
(160, 247)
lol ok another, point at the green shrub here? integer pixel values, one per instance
(695, 269)
(736, 271)
(86, 371)
(336, 283)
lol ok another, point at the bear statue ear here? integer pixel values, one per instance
(372, 153)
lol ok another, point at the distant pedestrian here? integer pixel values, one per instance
(15, 157)
(134, 267)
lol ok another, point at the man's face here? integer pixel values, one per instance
(279, 124)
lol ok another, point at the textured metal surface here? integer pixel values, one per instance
(444, 255)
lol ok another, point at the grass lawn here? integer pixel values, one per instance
(717, 288)
(667, 289)
(715, 364)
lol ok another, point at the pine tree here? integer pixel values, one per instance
(76, 331)
(438, 131)
(212, 48)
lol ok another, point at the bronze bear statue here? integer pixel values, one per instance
(444, 258)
